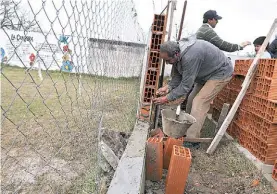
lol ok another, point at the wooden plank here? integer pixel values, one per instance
(201, 140)
(222, 116)
(245, 85)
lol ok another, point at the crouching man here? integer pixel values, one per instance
(194, 62)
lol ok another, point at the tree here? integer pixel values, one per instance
(13, 17)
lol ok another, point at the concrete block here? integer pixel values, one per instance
(129, 176)
(109, 155)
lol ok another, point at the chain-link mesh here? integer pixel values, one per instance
(68, 70)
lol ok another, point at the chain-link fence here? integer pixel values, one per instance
(68, 70)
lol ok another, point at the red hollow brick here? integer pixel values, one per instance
(266, 152)
(154, 60)
(274, 173)
(255, 124)
(156, 41)
(266, 88)
(178, 170)
(154, 159)
(149, 92)
(233, 96)
(261, 67)
(152, 77)
(266, 67)
(169, 143)
(266, 109)
(242, 66)
(144, 112)
(245, 103)
(271, 68)
(243, 118)
(269, 132)
(159, 23)
(241, 134)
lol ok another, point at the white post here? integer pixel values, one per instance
(39, 72)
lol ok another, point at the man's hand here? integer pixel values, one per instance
(162, 91)
(244, 44)
(160, 100)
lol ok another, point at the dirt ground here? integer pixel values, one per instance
(227, 171)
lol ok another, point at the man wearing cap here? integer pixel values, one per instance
(207, 33)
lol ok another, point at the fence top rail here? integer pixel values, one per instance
(117, 42)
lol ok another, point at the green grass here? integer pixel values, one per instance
(49, 126)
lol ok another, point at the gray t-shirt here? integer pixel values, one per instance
(200, 61)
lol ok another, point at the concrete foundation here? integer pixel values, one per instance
(129, 176)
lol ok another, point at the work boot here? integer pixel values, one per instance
(194, 145)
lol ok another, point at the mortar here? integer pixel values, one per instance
(176, 128)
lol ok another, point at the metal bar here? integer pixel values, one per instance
(173, 5)
(182, 20)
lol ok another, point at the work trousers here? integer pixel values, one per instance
(198, 103)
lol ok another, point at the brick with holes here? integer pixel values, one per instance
(178, 170)
(169, 143)
(154, 159)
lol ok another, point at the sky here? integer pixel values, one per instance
(243, 20)
(104, 19)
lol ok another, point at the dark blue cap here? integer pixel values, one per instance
(211, 14)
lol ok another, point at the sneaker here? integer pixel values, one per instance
(194, 145)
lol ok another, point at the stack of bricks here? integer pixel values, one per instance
(153, 66)
(168, 153)
(255, 123)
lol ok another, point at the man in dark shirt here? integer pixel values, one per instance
(194, 62)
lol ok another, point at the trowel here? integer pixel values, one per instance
(178, 110)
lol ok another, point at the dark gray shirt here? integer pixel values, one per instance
(200, 61)
(273, 48)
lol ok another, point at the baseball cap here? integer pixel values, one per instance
(211, 14)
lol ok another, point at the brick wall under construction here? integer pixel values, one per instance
(255, 123)
(153, 65)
